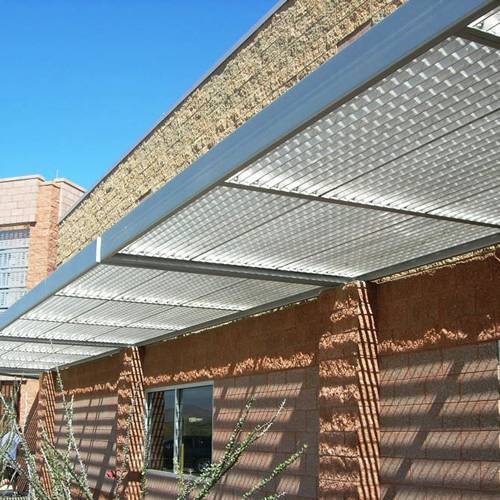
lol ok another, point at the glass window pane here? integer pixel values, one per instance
(196, 428)
(161, 417)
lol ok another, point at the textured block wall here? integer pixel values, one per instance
(297, 425)
(440, 423)
(294, 42)
(348, 398)
(272, 356)
(439, 386)
(417, 419)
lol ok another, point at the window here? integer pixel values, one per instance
(13, 265)
(180, 425)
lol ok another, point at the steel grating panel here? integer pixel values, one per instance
(28, 347)
(294, 235)
(62, 309)
(173, 288)
(370, 148)
(30, 328)
(420, 141)
(83, 351)
(224, 212)
(432, 177)
(78, 332)
(178, 318)
(19, 364)
(119, 313)
(134, 335)
(395, 244)
(108, 282)
(489, 23)
(248, 294)
(146, 286)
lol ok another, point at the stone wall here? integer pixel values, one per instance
(297, 39)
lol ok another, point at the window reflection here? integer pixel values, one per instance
(196, 429)
(161, 428)
(186, 434)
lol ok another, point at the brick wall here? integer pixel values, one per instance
(70, 193)
(52, 198)
(297, 425)
(348, 398)
(43, 235)
(18, 200)
(435, 422)
(291, 44)
(439, 389)
(273, 356)
(440, 422)
(31, 202)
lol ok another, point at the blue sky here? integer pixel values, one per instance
(82, 80)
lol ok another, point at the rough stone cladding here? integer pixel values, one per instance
(297, 39)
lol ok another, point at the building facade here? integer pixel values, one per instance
(30, 211)
(391, 378)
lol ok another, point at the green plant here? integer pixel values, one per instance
(58, 472)
(61, 473)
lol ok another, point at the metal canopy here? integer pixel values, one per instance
(383, 159)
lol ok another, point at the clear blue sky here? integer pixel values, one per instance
(82, 80)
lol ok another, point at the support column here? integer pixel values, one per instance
(349, 398)
(130, 423)
(46, 411)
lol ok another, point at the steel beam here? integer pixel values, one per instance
(68, 272)
(255, 273)
(431, 258)
(479, 36)
(311, 294)
(61, 341)
(4, 370)
(368, 206)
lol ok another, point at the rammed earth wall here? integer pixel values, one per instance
(297, 39)
(394, 386)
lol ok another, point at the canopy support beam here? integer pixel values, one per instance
(62, 342)
(243, 272)
(369, 206)
(431, 258)
(28, 372)
(478, 36)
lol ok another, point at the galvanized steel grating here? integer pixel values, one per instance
(404, 170)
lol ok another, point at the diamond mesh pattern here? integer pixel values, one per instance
(209, 222)
(418, 139)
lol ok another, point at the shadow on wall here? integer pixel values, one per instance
(95, 431)
(439, 423)
(298, 424)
